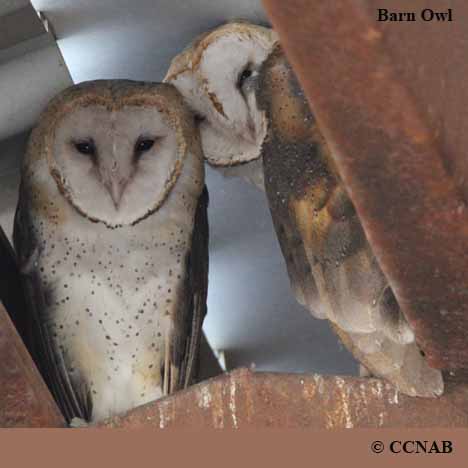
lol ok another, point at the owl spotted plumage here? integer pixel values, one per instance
(111, 234)
(331, 265)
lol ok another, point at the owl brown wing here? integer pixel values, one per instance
(47, 357)
(185, 341)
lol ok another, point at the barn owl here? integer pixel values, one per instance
(331, 267)
(111, 234)
(216, 76)
(323, 241)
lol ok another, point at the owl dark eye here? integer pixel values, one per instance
(144, 144)
(199, 119)
(85, 147)
(246, 73)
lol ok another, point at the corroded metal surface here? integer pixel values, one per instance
(25, 400)
(392, 102)
(244, 399)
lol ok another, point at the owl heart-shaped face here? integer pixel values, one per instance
(217, 76)
(116, 151)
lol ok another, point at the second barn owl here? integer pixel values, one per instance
(216, 76)
(111, 233)
(247, 113)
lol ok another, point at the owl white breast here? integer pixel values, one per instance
(112, 237)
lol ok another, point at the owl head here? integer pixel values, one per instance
(216, 75)
(115, 148)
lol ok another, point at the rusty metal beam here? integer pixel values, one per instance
(244, 399)
(25, 400)
(392, 101)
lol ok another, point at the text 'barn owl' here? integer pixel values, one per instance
(111, 233)
(216, 76)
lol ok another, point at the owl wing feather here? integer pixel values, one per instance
(47, 357)
(185, 339)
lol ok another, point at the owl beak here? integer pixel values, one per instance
(251, 131)
(116, 188)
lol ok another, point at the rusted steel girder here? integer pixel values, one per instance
(244, 399)
(25, 400)
(392, 101)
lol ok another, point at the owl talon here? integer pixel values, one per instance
(78, 423)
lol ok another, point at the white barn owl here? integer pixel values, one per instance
(111, 234)
(330, 262)
(216, 76)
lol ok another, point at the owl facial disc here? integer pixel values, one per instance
(217, 76)
(115, 155)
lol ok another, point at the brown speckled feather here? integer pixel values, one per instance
(318, 227)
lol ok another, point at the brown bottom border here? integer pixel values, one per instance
(289, 448)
